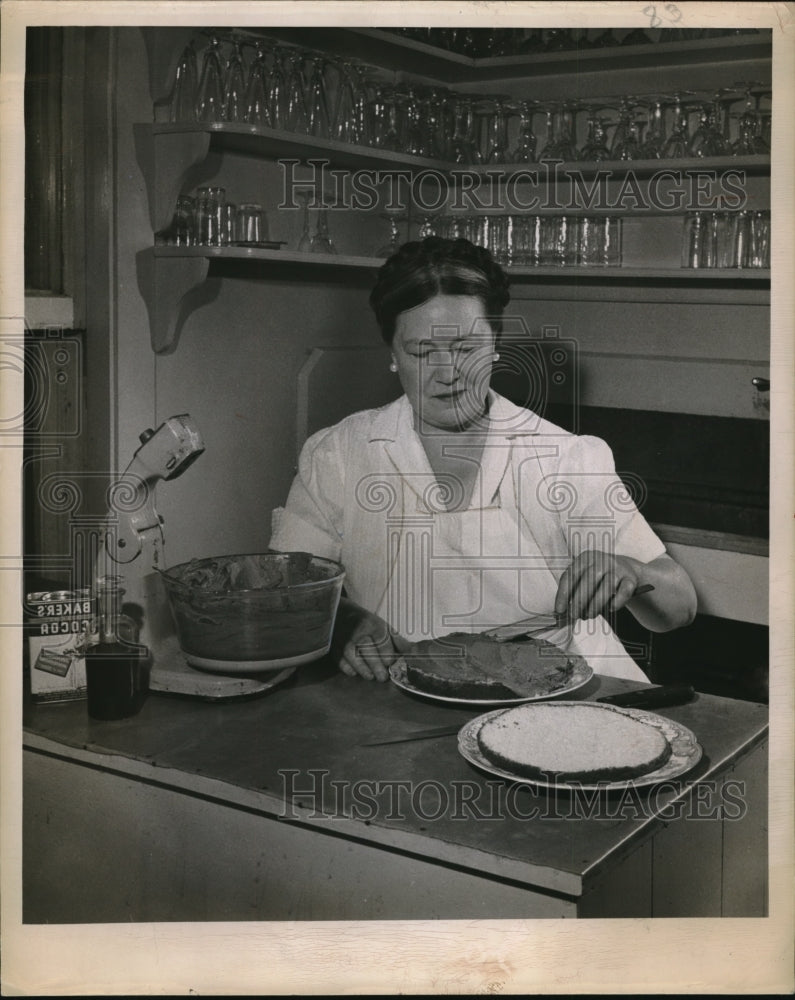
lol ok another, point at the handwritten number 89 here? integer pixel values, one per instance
(672, 15)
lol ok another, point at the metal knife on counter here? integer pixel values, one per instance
(651, 697)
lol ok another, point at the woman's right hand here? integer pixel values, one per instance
(362, 643)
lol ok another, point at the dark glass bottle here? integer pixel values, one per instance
(116, 666)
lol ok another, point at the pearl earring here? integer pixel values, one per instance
(495, 356)
(393, 367)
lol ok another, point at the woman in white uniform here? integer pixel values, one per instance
(452, 509)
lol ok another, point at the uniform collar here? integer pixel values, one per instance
(394, 425)
(395, 421)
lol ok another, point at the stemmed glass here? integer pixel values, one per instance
(677, 144)
(565, 148)
(626, 140)
(653, 144)
(297, 118)
(413, 138)
(560, 132)
(463, 143)
(364, 104)
(496, 112)
(277, 89)
(394, 242)
(750, 141)
(428, 227)
(317, 107)
(707, 139)
(181, 102)
(257, 99)
(235, 87)
(431, 111)
(210, 100)
(305, 241)
(548, 149)
(321, 241)
(723, 100)
(347, 123)
(387, 123)
(525, 149)
(595, 148)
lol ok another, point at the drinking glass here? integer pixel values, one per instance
(305, 240)
(693, 236)
(321, 241)
(626, 141)
(365, 89)
(525, 149)
(387, 118)
(589, 238)
(277, 89)
(495, 113)
(759, 243)
(677, 144)
(228, 214)
(653, 144)
(251, 226)
(463, 142)
(257, 91)
(432, 117)
(723, 100)
(428, 227)
(317, 107)
(750, 141)
(560, 132)
(724, 239)
(413, 137)
(210, 100)
(567, 240)
(708, 139)
(532, 42)
(559, 40)
(346, 121)
(394, 242)
(612, 240)
(235, 87)
(209, 215)
(595, 148)
(636, 37)
(181, 230)
(295, 88)
(181, 103)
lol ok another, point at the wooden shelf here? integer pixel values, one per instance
(259, 140)
(269, 256)
(176, 157)
(732, 276)
(177, 280)
(405, 55)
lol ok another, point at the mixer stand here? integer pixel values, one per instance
(173, 675)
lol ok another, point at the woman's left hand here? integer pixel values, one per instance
(596, 583)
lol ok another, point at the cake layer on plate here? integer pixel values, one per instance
(463, 665)
(567, 742)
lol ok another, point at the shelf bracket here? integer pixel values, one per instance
(173, 288)
(168, 161)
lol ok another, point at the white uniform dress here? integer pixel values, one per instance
(365, 495)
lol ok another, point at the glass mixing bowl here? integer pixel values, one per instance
(254, 612)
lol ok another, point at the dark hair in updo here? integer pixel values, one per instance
(419, 271)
